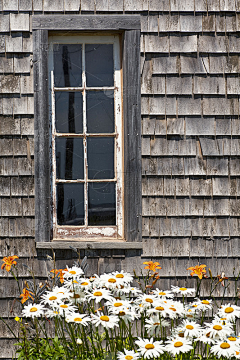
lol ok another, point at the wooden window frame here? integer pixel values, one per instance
(129, 28)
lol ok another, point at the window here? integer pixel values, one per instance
(86, 119)
(88, 154)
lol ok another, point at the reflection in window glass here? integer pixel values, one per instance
(101, 204)
(100, 158)
(67, 65)
(99, 64)
(70, 204)
(100, 111)
(69, 158)
(69, 112)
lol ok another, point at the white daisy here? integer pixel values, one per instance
(77, 318)
(51, 297)
(127, 355)
(179, 345)
(149, 348)
(183, 291)
(230, 312)
(190, 328)
(204, 304)
(99, 294)
(78, 296)
(33, 310)
(237, 354)
(175, 309)
(223, 348)
(132, 291)
(153, 325)
(234, 340)
(65, 309)
(146, 300)
(159, 308)
(163, 294)
(73, 272)
(61, 291)
(125, 277)
(107, 321)
(206, 339)
(217, 330)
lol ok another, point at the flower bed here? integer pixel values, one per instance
(105, 317)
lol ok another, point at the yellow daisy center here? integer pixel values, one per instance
(75, 282)
(97, 293)
(194, 306)
(205, 302)
(77, 319)
(159, 308)
(112, 280)
(104, 318)
(52, 298)
(149, 300)
(72, 272)
(178, 344)
(183, 289)
(117, 304)
(172, 308)
(149, 346)
(156, 324)
(121, 313)
(217, 327)
(189, 327)
(33, 309)
(128, 357)
(224, 346)
(231, 338)
(162, 293)
(237, 352)
(229, 310)
(181, 335)
(208, 334)
(84, 283)
(121, 276)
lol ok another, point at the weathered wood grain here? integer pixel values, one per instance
(86, 22)
(19, 22)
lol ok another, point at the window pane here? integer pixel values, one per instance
(99, 64)
(67, 65)
(100, 111)
(101, 204)
(69, 158)
(100, 158)
(69, 112)
(70, 204)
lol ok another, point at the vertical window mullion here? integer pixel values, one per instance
(85, 137)
(53, 148)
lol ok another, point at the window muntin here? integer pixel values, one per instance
(87, 179)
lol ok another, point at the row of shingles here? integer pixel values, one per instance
(174, 227)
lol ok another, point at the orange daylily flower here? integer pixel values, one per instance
(151, 265)
(59, 272)
(25, 296)
(198, 270)
(8, 262)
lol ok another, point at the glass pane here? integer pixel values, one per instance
(67, 65)
(69, 158)
(99, 64)
(69, 112)
(70, 204)
(101, 204)
(100, 153)
(100, 111)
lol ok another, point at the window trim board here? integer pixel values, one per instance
(131, 109)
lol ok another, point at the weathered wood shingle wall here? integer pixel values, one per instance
(190, 144)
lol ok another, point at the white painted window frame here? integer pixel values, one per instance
(84, 232)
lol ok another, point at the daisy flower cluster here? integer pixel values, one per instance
(106, 314)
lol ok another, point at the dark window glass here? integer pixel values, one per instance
(100, 111)
(101, 204)
(69, 112)
(70, 204)
(100, 158)
(67, 65)
(69, 158)
(99, 64)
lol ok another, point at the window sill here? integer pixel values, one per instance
(94, 245)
